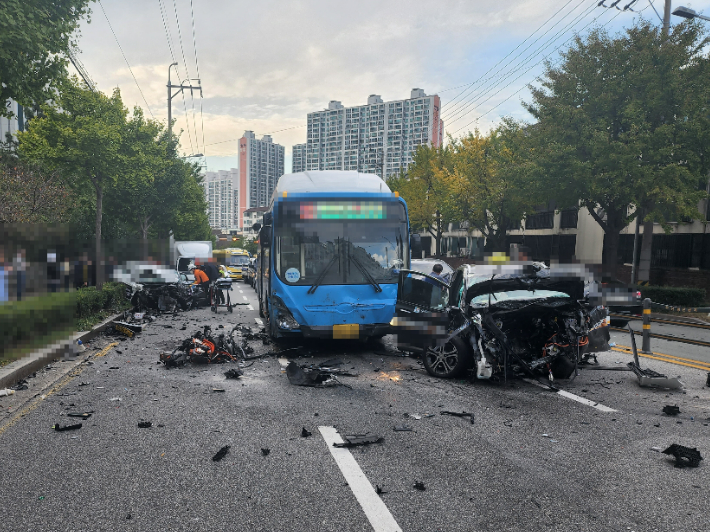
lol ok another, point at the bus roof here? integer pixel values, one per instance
(330, 181)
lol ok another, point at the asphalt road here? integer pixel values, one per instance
(533, 460)
(699, 334)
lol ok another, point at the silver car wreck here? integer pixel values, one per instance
(500, 321)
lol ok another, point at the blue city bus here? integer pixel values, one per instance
(331, 247)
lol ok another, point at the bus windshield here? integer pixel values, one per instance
(236, 260)
(340, 242)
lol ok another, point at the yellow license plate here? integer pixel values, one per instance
(346, 331)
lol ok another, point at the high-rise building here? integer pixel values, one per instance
(222, 195)
(379, 137)
(261, 163)
(15, 123)
(298, 164)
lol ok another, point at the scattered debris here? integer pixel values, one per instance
(204, 348)
(115, 399)
(684, 456)
(419, 485)
(657, 449)
(356, 440)
(265, 451)
(85, 415)
(298, 376)
(221, 453)
(402, 428)
(20, 385)
(671, 410)
(233, 373)
(6, 392)
(647, 377)
(59, 428)
(379, 490)
(217, 389)
(707, 383)
(144, 424)
(458, 414)
(305, 433)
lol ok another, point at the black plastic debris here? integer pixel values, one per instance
(458, 414)
(379, 490)
(402, 428)
(684, 456)
(20, 385)
(707, 383)
(419, 485)
(265, 451)
(221, 453)
(59, 428)
(330, 363)
(356, 440)
(305, 433)
(84, 415)
(299, 377)
(234, 373)
(144, 424)
(671, 410)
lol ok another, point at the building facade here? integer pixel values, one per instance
(261, 164)
(298, 164)
(379, 137)
(252, 216)
(10, 126)
(222, 195)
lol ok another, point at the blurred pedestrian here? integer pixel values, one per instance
(4, 274)
(52, 272)
(20, 267)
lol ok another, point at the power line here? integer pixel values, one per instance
(197, 67)
(126, 59)
(271, 133)
(187, 71)
(503, 76)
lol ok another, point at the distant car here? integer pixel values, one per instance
(623, 301)
(145, 273)
(426, 265)
(251, 271)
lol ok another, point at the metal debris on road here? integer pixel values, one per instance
(419, 485)
(144, 424)
(356, 440)
(233, 373)
(265, 451)
(402, 428)
(458, 414)
(647, 377)
(305, 433)
(221, 453)
(298, 376)
(84, 415)
(59, 428)
(671, 410)
(684, 456)
(379, 490)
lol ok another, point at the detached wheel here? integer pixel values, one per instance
(449, 361)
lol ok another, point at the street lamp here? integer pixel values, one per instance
(686, 12)
(194, 155)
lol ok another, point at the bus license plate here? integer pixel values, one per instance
(346, 331)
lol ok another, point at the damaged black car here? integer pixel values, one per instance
(500, 321)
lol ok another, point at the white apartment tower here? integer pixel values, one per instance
(298, 163)
(379, 137)
(222, 194)
(261, 163)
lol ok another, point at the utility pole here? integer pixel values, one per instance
(172, 95)
(667, 17)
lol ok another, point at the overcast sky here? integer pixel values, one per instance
(265, 65)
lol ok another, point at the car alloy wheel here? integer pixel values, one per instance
(447, 361)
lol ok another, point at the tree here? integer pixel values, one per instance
(611, 123)
(487, 182)
(85, 138)
(35, 36)
(428, 197)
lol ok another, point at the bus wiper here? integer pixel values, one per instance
(365, 273)
(322, 274)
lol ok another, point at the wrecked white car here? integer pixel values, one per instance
(499, 321)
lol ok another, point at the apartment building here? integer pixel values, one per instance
(379, 137)
(261, 164)
(222, 195)
(10, 126)
(298, 164)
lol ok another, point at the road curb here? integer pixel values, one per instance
(19, 369)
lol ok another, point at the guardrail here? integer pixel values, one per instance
(675, 308)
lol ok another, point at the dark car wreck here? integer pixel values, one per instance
(499, 321)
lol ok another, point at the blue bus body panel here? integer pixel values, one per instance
(337, 304)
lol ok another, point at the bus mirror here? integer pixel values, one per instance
(256, 227)
(265, 237)
(268, 218)
(415, 244)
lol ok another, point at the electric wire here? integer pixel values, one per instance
(126, 60)
(197, 67)
(187, 72)
(512, 70)
(654, 8)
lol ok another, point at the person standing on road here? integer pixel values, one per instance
(436, 273)
(201, 278)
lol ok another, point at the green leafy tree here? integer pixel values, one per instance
(612, 124)
(35, 36)
(85, 138)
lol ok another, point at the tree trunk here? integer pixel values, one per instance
(145, 226)
(646, 248)
(612, 252)
(99, 215)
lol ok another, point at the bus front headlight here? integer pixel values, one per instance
(284, 318)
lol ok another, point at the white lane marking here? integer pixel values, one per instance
(377, 513)
(250, 307)
(283, 362)
(241, 291)
(259, 322)
(574, 397)
(246, 298)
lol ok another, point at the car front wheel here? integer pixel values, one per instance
(449, 361)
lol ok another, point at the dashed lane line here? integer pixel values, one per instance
(250, 307)
(574, 397)
(245, 298)
(241, 291)
(377, 513)
(259, 322)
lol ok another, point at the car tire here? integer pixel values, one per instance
(449, 361)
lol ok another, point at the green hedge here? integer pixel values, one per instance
(90, 301)
(35, 317)
(672, 295)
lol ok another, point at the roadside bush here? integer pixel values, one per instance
(91, 302)
(34, 318)
(672, 295)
